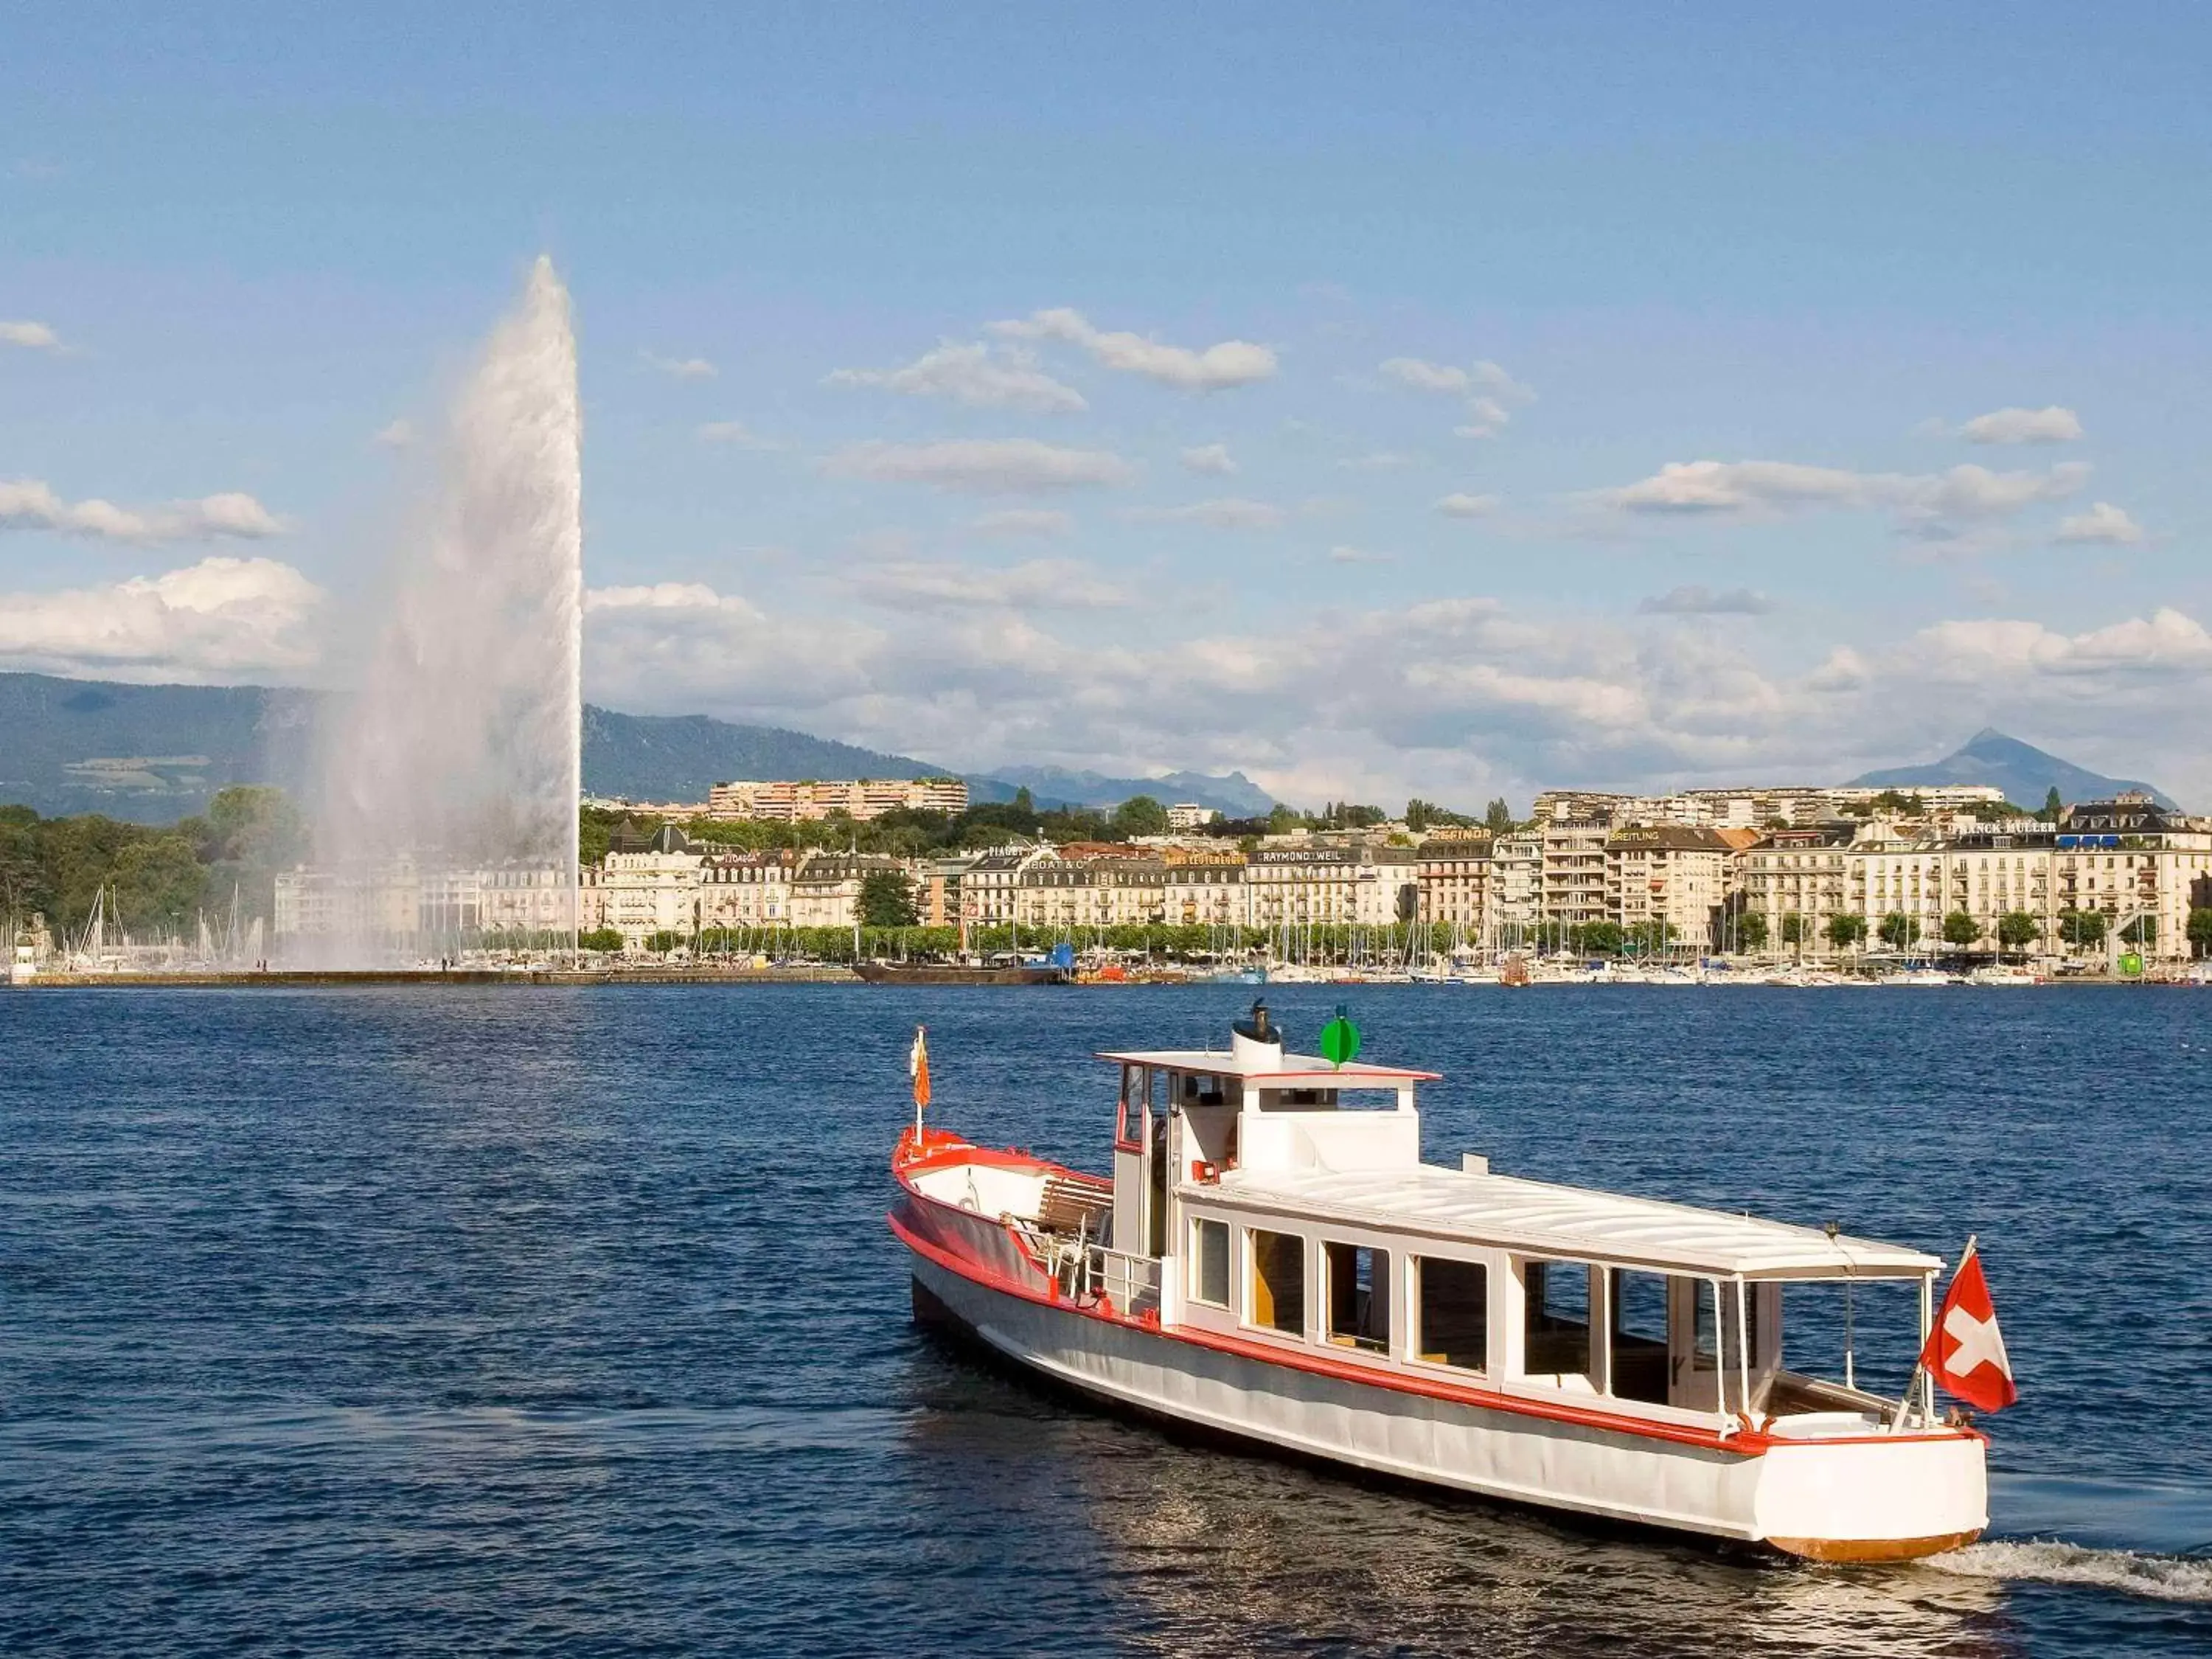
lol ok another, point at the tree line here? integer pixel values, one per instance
(158, 878)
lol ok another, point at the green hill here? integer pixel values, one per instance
(152, 754)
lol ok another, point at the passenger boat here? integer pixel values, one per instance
(1272, 1261)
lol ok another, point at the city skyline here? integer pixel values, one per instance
(1455, 407)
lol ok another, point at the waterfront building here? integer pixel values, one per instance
(1805, 872)
(1672, 876)
(404, 905)
(1573, 888)
(1189, 815)
(990, 889)
(1515, 907)
(1094, 888)
(1204, 888)
(1454, 874)
(1331, 882)
(825, 890)
(747, 891)
(651, 887)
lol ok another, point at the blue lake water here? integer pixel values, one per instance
(566, 1322)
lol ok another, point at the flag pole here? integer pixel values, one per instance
(1927, 1331)
(918, 1067)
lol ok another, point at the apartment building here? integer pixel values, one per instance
(1572, 888)
(1454, 884)
(825, 891)
(1805, 872)
(1067, 894)
(1331, 883)
(1675, 876)
(649, 884)
(990, 888)
(1515, 897)
(859, 798)
(1204, 888)
(747, 890)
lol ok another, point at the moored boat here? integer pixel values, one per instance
(1057, 969)
(1270, 1261)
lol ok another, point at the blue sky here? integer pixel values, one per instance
(1597, 385)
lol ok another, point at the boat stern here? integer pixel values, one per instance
(1873, 1496)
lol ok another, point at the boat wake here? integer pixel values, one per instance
(2049, 1561)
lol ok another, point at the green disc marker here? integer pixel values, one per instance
(1339, 1040)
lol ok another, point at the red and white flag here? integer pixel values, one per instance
(917, 1067)
(1966, 1352)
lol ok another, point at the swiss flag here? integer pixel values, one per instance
(1966, 1352)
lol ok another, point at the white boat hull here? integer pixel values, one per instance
(1870, 1499)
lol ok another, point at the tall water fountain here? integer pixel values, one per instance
(451, 776)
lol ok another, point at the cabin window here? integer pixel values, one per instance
(1278, 1280)
(1639, 1336)
(1129, 1128)
(1358, 1296)
(1557, 1318)
(1715, 1346)
(1453, 1300)
(1209, 1263)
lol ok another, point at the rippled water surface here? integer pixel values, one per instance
(521, 1321)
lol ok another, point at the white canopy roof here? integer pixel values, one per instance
(1271, 1066)
(1540, 1218)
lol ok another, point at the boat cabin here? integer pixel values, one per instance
(1270, 1199)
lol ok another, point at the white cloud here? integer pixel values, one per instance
(1223, 513)
(1489, 390)
(1341, 555)
(1209, 458)
(2103, 522)
(1696, 601)
(1230, 363)
(1014, 523)
(736, 434)
(682, 647)
(1037, 585)
(1460, 505)
(1453, 698)
(2165, 643)
(1379, 460)
(32, 337)
(1485, 418)
(221, 619)
(28, 504)
(679, 369)
(1001, 466)
(1767, 488)
(972, 375)
(2050, 425)
(398, 434)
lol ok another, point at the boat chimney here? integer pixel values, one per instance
(1256, 1042)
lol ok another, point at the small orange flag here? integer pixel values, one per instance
(917, 1067)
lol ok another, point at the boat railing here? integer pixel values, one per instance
(1130, 1282)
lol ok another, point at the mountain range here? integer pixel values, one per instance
(151, 754)
(2026, 774)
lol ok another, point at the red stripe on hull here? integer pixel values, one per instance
(935, 1249)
